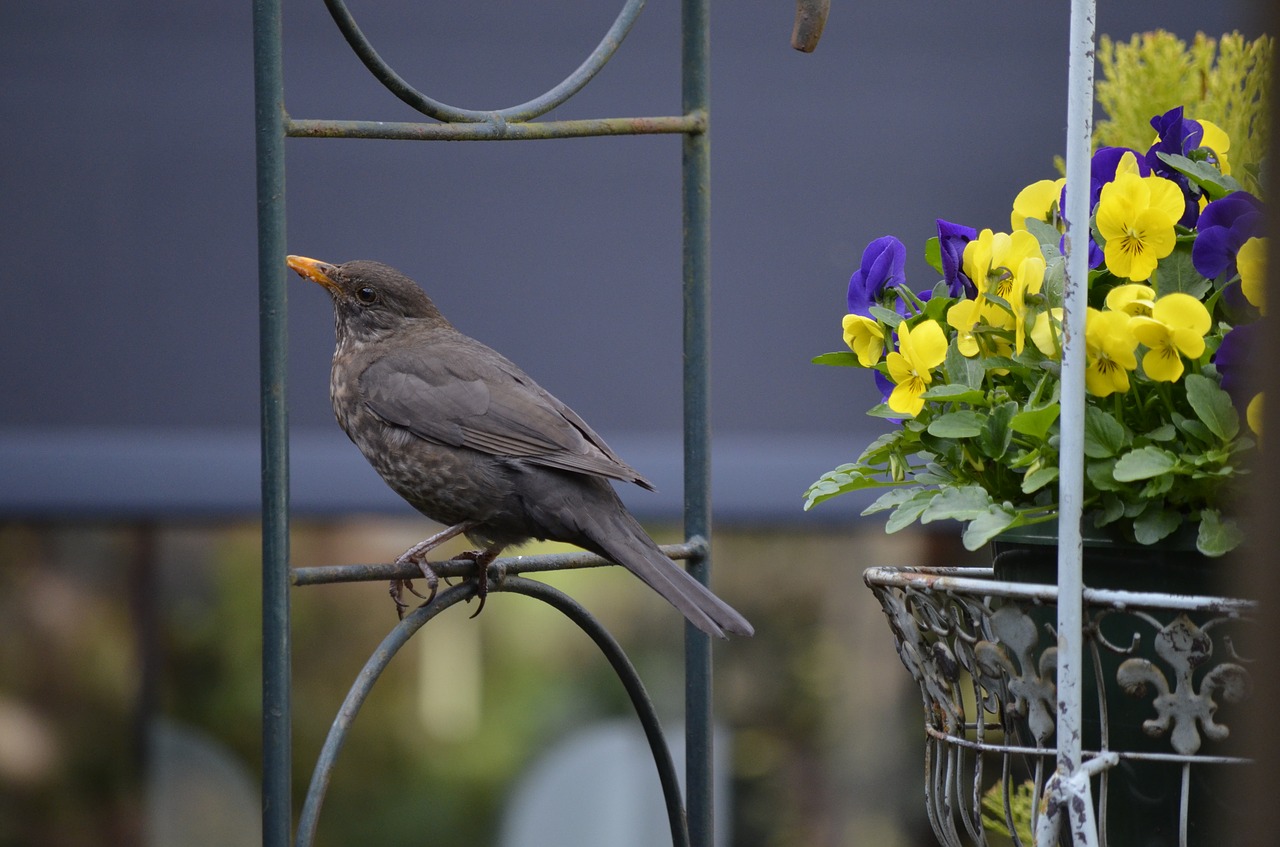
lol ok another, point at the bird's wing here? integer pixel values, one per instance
(470, 396)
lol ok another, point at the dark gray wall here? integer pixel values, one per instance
(128, 330)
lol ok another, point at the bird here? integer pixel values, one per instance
(472, 442)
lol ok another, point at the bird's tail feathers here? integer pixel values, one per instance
(628, 545)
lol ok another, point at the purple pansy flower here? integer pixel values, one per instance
(951, 241)
(1178, 136)
(883, 266)
(1236, 360)
(884, 385)
(1102, 169)
(1096, 255)
(1224, 225)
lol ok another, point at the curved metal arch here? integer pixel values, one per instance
(414, 621)
(430, 107)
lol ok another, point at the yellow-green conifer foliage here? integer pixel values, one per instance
(1225, 81)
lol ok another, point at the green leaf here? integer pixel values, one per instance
(964, 423)
(953, 393)
(876, 452)
(933, 254)
(882, 410)
(1035, 422)
(843, 358)
(1112, 510)
(1101, 472)
(1103, 434)
(960, 503)
(1196, 429)
(1213, 406)
(839, 483)
(1176, 272)
(1144, 463)
(888, 317)
(1212, 181)
(906, 514)
(1217, 535)
(1038, 478)
(1155, 523)
(1055, 278)
(997, 432)
(991, 363)
(1157, 487)
(936, 306)
(1048, 236)
(891, 500)
(992, 522)
(962, 370)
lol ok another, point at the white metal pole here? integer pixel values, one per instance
(1071, 780)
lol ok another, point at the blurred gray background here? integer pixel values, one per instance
(129, 329)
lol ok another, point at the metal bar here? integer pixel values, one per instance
(400, 636)
(1032, 752)
(269, 135)
(369, 674)
(1071, 461)
(970, 581)
(695, 45)
(494, 130)
(506, 124)
(634, 686)
(465, 567)
(398, 86)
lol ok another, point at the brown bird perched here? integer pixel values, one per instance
(470, 441)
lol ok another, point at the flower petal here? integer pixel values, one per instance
(1252, 264)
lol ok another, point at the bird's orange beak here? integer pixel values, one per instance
(314, 270)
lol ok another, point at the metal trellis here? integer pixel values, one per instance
(273, 126)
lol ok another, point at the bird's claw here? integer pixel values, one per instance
(417, 554)
(481, 576)
(399, 586)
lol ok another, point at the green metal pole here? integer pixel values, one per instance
(696, 173)
(270, 133)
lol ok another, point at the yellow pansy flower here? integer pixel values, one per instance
(1217, 141)
(920, 350)
(1136, 216)
(1175, 329)
(1132, 299)
(1047, 330)
(1251, 262)
(1037, 201)
(1110, 347)
(992, 258)
(865, 337)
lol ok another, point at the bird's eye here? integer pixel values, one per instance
(366, 295)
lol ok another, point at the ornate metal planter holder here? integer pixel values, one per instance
(1158, 667)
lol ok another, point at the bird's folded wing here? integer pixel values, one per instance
(487, 404)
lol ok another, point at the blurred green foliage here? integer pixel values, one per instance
(104, 629)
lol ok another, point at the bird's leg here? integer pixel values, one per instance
(483, 558)
(417, 555)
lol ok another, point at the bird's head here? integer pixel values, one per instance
(370, 299)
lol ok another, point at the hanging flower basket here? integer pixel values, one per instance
(968, 364)
(1165, 676)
